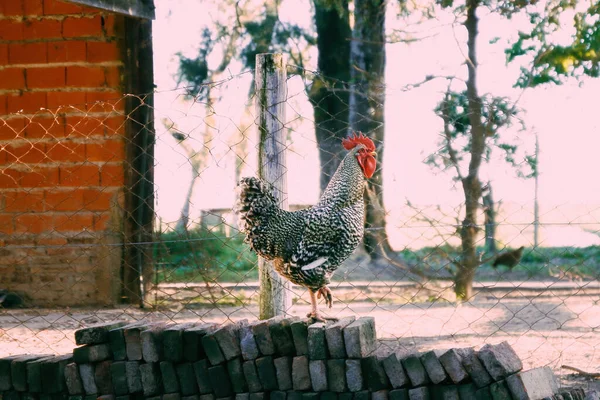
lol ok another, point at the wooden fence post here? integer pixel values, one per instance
(271, 95)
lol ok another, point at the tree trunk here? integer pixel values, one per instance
(489, 211)
(471, 184)
(328, 95)
(463, 284)
(184, 219)
(536, 202)
(468, 235)
(197, 159)
(367, 97)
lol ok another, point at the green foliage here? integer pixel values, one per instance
(552, 62)
(203, 255)
(333, 4)
(547, 254)
(569, 262)
(532, 164)
(445, 3)
(242, 39)
(455, 144)
(506, 8)
(549, 61)
(272, 36)
(194, 71)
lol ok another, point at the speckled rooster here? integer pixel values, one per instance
(307, 246)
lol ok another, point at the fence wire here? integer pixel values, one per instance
(67, 173)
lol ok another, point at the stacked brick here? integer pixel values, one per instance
(29, 376)
(277, 359)
(62, 157)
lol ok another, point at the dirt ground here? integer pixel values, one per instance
(543, 328)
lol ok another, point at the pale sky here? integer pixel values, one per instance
(565, 118)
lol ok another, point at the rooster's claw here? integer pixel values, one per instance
(326, 293)
(317, 317)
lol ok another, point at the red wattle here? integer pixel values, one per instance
(368, 164)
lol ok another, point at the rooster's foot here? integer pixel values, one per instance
(318, 317)
(326, 293)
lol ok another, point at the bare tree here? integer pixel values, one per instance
(536, 203)
(472, 124)
(197, 158)
(471, 183)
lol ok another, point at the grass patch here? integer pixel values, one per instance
(204, 255)
(541, 262)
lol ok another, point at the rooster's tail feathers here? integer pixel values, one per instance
(255, 203)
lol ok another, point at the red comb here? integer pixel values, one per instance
(355, 140)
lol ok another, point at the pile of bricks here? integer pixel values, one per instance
(280, 359)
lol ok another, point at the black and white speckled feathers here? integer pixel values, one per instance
(307, 246)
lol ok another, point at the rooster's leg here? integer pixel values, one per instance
(314, 311)
(315, 314)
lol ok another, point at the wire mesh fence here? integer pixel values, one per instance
(68, 175)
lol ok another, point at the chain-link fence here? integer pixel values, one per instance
(68, 173)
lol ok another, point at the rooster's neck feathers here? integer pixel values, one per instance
(347, 184)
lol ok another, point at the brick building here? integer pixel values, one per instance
(75, 152)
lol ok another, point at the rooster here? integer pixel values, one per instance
(307, 246)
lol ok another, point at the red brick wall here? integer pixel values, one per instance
(61, 153)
